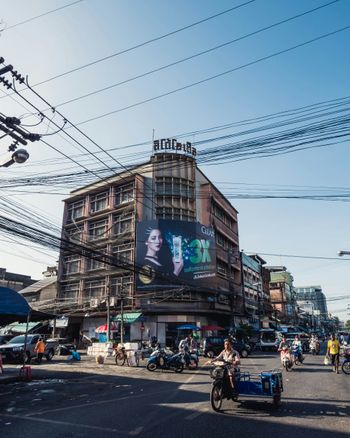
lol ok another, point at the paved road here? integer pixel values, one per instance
(85, 399)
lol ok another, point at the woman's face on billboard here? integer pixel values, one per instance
(154, 241)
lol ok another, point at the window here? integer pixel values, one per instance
(121, 286)
(98, 202)
(221, 267)
(94, 289)
(93, 264)
(75, 210)
(124, 194)
(75, 234)
(123, 253)
(70, 292)
(71, 264)
(220, 213)
(122, 223)
(98, 229)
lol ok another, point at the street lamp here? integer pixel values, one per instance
(342, 253)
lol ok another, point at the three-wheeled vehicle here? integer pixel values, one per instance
(267, 384)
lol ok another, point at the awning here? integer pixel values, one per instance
(128, 318)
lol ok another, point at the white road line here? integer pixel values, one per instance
(198, 413)
(136, 431)
(63, 423)
(100, 402)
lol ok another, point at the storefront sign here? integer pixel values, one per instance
(171, 145)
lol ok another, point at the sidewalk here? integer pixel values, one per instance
(10, 374)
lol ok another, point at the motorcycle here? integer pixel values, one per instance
(159, 359)
(346, 363)
(286, 359)
(221, 387)
(190, 359)
(314, 347)
(297, 354)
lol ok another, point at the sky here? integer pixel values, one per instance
(88, 30)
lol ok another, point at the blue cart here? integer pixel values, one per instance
(267, 384)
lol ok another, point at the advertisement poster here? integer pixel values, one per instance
(172, 254)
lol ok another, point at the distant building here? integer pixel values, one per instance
(282, 294)
(312, 298)
(42, 294)
(14, 281)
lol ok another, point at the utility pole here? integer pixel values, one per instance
(122, 317)
(108, 296)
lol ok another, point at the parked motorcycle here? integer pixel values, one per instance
(159, 359)
(346, 364)
(190, 359)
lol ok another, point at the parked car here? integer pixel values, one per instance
(213, 346)
(5, 338)
(13, 351)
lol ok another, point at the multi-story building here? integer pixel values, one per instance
(14, 281)
(170, 240)
(282, 294)
(256, 290)
(313, 301)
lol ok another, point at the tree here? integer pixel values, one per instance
(347, 324)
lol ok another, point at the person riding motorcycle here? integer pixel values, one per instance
(297, 349)
(284, 350)
(231, 357)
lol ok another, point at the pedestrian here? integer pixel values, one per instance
(39, 350)
(333, 349)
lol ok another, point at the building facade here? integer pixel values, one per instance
(14, 281)
(282, 295)
(106, 218)
(314, 303)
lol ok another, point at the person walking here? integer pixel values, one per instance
(39, 350)
(333, 350)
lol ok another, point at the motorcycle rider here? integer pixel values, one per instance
(297, 347)
(184, 344)
(284, 349)
(230, 356)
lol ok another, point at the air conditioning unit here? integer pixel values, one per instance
(94, 302)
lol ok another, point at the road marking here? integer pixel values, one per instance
(136, 431)
(100, 402)
(197, 414)
(63, 423)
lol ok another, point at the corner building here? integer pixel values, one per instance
(202, 282)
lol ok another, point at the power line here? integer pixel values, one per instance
(180, 61)
(202, 81)
(39, 16)
(144, 43)
(297, 256)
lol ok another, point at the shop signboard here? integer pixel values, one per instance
(171, 254)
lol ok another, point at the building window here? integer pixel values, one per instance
(70, 292)
(124, 194)
(220, 213)
(122, 223)
(221, 267)
(98, 229)
(123, 253)
(72, 264)
(94, 289)
(75, 234)
(121, 286)
(75, 210)
(98, 202)
(93, 264)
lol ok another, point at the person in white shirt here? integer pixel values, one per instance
(230, 356)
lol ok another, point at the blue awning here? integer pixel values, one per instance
(13, 307)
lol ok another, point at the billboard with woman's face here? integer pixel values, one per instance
(172, 254)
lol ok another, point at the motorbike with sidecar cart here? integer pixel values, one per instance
(267, 384)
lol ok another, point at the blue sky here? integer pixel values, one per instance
(92, 29)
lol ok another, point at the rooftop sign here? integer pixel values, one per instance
(171, 145)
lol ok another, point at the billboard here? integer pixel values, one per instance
(172, 254)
